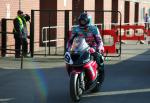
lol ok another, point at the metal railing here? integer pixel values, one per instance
(46, 40)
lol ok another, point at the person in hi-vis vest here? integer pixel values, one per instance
(25, 18)
(20, 34)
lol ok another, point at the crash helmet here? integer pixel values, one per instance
(84, 19)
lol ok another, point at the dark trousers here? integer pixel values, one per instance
(18, 43)
(146, 25)
(24, 46)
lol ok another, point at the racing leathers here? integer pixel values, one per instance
(93, 38)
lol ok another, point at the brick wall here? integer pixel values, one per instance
(9, 8)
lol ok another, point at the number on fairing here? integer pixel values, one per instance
(67, 58)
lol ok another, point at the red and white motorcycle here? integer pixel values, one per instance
(85, 74)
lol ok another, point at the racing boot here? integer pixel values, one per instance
(100, 61)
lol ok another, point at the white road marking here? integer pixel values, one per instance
(118, 92)
(6, 99)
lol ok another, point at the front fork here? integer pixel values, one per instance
(82, 75)
(82, 82)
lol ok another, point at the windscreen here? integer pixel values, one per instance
(79, 44)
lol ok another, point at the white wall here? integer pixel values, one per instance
(142, 5)
(121, 9)
(107, 15)
(64, 4)
(90, 5)
(132, 12)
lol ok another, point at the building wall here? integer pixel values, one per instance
(114, 15)
(136, 14)
(99, 6)
(121, 4)
(132, 10)
(107, 15)
(90, 5)
(9, 8)
(48, 19)
(146, 6)
(62, 5)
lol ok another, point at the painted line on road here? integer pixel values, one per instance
(6, 99)
(118, 92)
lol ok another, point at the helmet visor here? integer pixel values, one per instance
(83, 22)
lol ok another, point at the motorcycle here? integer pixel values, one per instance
(85, 74)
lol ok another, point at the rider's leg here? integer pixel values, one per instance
(99, 59)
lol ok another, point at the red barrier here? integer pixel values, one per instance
(148, 32)
(111, 48)
(133, 36)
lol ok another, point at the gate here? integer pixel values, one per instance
(7, 37)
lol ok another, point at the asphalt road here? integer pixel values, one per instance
(126, 81)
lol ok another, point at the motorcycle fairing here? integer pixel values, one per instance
(76, 70)
(91, 70)
(68, 58)
(81, 59)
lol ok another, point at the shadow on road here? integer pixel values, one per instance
(126, 75)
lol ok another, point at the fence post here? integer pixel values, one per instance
(66, 28)
(32, 34)
(3, 29)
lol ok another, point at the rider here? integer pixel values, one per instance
(86, 30)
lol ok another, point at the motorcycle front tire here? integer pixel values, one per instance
(75, 90)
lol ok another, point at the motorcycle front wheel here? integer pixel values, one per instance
(75, 89)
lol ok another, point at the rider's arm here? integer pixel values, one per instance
(98, 38)
(72, 36)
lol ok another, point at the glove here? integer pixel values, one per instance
(92, 50)
(100, 50)
(68, 49)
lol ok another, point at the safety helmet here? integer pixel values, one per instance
(84, 19)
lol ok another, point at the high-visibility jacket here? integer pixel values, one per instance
(20, 25)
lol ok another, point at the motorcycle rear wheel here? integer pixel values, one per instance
(75, 90)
